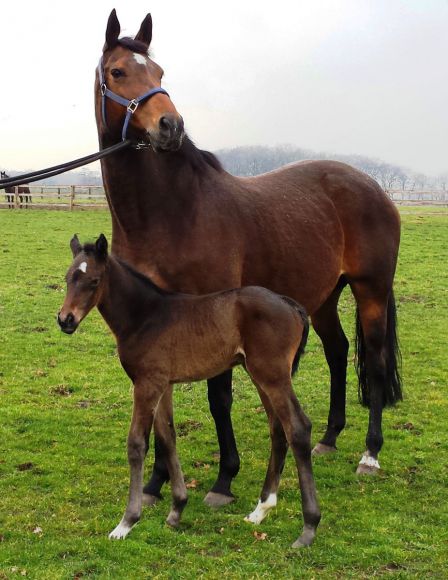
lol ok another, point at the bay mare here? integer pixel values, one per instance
(165, 338)
(306, 231)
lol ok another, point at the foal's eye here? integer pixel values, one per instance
(117, 73)
(94, 282)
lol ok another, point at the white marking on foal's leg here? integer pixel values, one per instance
(262, 509)
(83, 267)
(140, 58)
(369, 461)
(121, 531)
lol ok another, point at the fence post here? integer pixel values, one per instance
(72, 197)
(16, 197)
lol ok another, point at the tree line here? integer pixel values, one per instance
(253, 160)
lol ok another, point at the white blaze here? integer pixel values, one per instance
(140, 58)
(83, 267)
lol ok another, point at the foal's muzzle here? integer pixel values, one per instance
(67, 324)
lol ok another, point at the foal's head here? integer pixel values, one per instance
(130, 73)
(85, 281)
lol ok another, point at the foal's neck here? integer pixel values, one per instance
(127, 298)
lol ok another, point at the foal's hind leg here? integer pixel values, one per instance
(279, 448)
(328, 327)
(297, 427)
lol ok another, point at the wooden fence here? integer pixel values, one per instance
(82, 197)
(57, 197)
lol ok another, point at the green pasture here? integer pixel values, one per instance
(65, 405)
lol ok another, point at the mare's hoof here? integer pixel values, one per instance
(305, 540)
(149, 499)
(367, 470)
(322, 449)
(173, 519)
(368, 465)
(216, 500)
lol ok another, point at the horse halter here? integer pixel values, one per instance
(131, 105)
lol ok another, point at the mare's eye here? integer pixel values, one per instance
(94, 282)
(117, 73)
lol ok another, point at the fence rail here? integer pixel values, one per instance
(57, 197)
(83, 197)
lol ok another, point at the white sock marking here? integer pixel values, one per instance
(83, 267)
(140, 58)
(366, 459)
(121, 531)
(262, 509)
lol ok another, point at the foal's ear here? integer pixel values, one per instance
(145, 32)
(75, 246)
(101, 247)
(112, 31)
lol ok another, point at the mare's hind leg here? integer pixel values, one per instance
(377, 388)
(327, 325)
(279, 447)
(220, 401)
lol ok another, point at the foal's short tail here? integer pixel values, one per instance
(392, 383)
(306, 328)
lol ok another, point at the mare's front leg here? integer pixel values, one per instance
(146, 399)
(220, 401)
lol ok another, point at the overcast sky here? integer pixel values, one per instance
(345, 76)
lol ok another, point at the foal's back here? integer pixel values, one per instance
(198, 337)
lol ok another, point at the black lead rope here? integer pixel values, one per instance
(63, 167)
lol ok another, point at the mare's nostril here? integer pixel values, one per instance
(70, 319)
(165, 125)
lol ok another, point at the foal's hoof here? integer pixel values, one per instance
(322, 449)
(149, 499)
(216, 500)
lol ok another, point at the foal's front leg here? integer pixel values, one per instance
(146, 398)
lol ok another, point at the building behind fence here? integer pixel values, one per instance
(83, 197)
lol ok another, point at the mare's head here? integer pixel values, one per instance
(85, 281)
(130, 73)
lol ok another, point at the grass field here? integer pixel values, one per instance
(65, 406)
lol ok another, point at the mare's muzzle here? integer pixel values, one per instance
(170, 134)
(67, 324)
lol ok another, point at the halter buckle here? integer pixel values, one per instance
(132, 107)
(103, 89)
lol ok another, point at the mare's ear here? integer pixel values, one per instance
(75, 246)
(101, 247)
(145, 32)
(112, 31)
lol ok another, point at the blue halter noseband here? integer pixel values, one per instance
(131, 105)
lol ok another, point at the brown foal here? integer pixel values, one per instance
(165, 338)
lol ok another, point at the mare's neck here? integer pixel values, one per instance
(127, 298)
(143, 186)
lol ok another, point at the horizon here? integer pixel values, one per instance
(345, 80)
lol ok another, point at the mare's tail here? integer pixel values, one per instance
(392, 384)
(306, 328)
